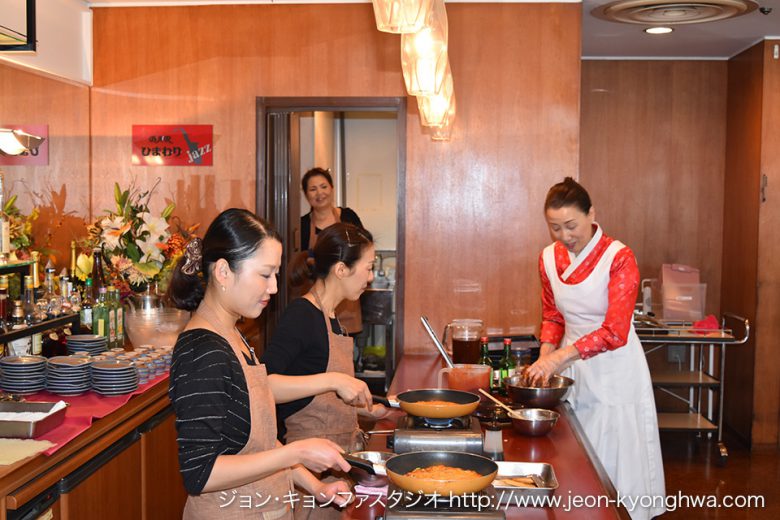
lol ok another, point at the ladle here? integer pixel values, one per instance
(499, 403)
(436, 341)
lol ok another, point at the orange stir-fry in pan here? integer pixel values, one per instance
(441, 472)
(435, 402)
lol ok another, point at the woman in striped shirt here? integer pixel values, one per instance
(231, 463)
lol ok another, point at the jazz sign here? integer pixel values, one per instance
(173, 145)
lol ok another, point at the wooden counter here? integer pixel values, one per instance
(143, 481)
(579, 472)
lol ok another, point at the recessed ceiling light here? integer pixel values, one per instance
(658, 30)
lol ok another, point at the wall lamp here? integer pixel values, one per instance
(16, 142)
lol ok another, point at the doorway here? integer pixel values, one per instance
(295, 134)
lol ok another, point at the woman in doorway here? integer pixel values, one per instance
(309, 339)
(317, 185)
(590, 283)
(223, 400)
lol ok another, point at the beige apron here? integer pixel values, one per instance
(327, 416)
(348, 312)
(262, 437)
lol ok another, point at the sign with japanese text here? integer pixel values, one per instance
(173, 145)
(38, 157)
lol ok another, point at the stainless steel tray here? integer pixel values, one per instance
(521, 496)
(30, 429)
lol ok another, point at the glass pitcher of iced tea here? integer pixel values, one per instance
(464, 335)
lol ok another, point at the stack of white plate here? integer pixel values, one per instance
(23, 374)
(114, 377)
(69, 375)
(89, 343)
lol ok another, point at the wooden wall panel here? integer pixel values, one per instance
(766, 400)
(740, 228)
(61, 189)
(473, 206)
(652, 156)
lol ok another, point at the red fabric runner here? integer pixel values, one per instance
(83, 410)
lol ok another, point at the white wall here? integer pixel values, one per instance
(371, 152)
(64, 34)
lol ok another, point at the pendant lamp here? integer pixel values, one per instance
(424, 53)
(438, 108)
(443, 133)
(401, 16)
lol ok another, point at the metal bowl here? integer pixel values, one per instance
(533, 421)
(363, 477)
(536, 397)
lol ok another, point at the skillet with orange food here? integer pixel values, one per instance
(434, 403)
(399, 467)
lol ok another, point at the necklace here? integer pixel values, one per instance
(207, 312)
(342, 330)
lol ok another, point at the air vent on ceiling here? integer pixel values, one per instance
(670, 12)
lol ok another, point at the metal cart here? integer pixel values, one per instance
(703, 376)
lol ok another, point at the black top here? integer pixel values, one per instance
(299, 347)
(209, 395)
(347, 216)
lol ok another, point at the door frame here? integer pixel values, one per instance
(266, 105)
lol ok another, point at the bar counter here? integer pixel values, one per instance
(580, 475)
(123, 466)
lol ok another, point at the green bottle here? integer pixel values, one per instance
(120, 320)
(100, 324)
(506, 366)
(484, 359)
(111, 317)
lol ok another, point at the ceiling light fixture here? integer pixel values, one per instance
(658, 30)
(672, 12)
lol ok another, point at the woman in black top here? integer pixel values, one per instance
(304, 343)
(223, 401)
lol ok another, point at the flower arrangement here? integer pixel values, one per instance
(20, 227)
(139, 248)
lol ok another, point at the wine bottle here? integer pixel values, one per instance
(5, 225)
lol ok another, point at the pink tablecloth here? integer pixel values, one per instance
(83, 410)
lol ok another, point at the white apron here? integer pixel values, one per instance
(612, 395)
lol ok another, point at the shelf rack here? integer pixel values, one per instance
(704, 372)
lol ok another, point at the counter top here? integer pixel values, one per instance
(579, 473)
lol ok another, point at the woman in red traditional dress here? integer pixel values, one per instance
(589, 287)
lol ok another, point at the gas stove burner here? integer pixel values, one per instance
(441, 424)
(458, 434)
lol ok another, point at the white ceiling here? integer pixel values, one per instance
(602, 39)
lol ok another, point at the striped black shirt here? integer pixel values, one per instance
(209, 395)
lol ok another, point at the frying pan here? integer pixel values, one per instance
(398, 466)
(463, 403)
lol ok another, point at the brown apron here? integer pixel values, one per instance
(262, 437)
(348, 312)
(327, 416)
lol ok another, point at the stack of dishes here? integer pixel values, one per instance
(23, 374)
(114, 377)
(69, 375)
(90, 343)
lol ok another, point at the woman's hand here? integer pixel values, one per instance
(319, 454)
(350, 390)
(338, 492)
(550, 364)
